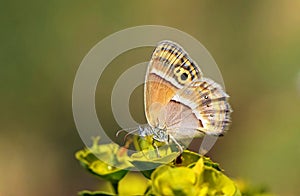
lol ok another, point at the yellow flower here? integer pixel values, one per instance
(202, 179)
(174, 181)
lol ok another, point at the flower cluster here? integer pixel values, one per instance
(186, 174)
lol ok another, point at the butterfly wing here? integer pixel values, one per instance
(179, 99)
(169, 70)
(206, 109)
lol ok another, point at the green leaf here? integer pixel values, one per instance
(141, 163)
(116, 163)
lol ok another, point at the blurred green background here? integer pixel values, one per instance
(255, 43)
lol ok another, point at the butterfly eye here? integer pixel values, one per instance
(206, 97)
(182, 74)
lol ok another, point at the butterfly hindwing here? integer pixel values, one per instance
(208, 103)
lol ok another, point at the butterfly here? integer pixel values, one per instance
(180, 103)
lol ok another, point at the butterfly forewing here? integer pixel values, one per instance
(169, 70)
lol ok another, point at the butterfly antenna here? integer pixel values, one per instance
(118, 132)
(129, 133)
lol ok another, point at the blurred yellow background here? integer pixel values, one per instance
(255, 43)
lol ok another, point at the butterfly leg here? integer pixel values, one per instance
(156, 149)
(178, 145)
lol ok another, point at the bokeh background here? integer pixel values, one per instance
(255, 43)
